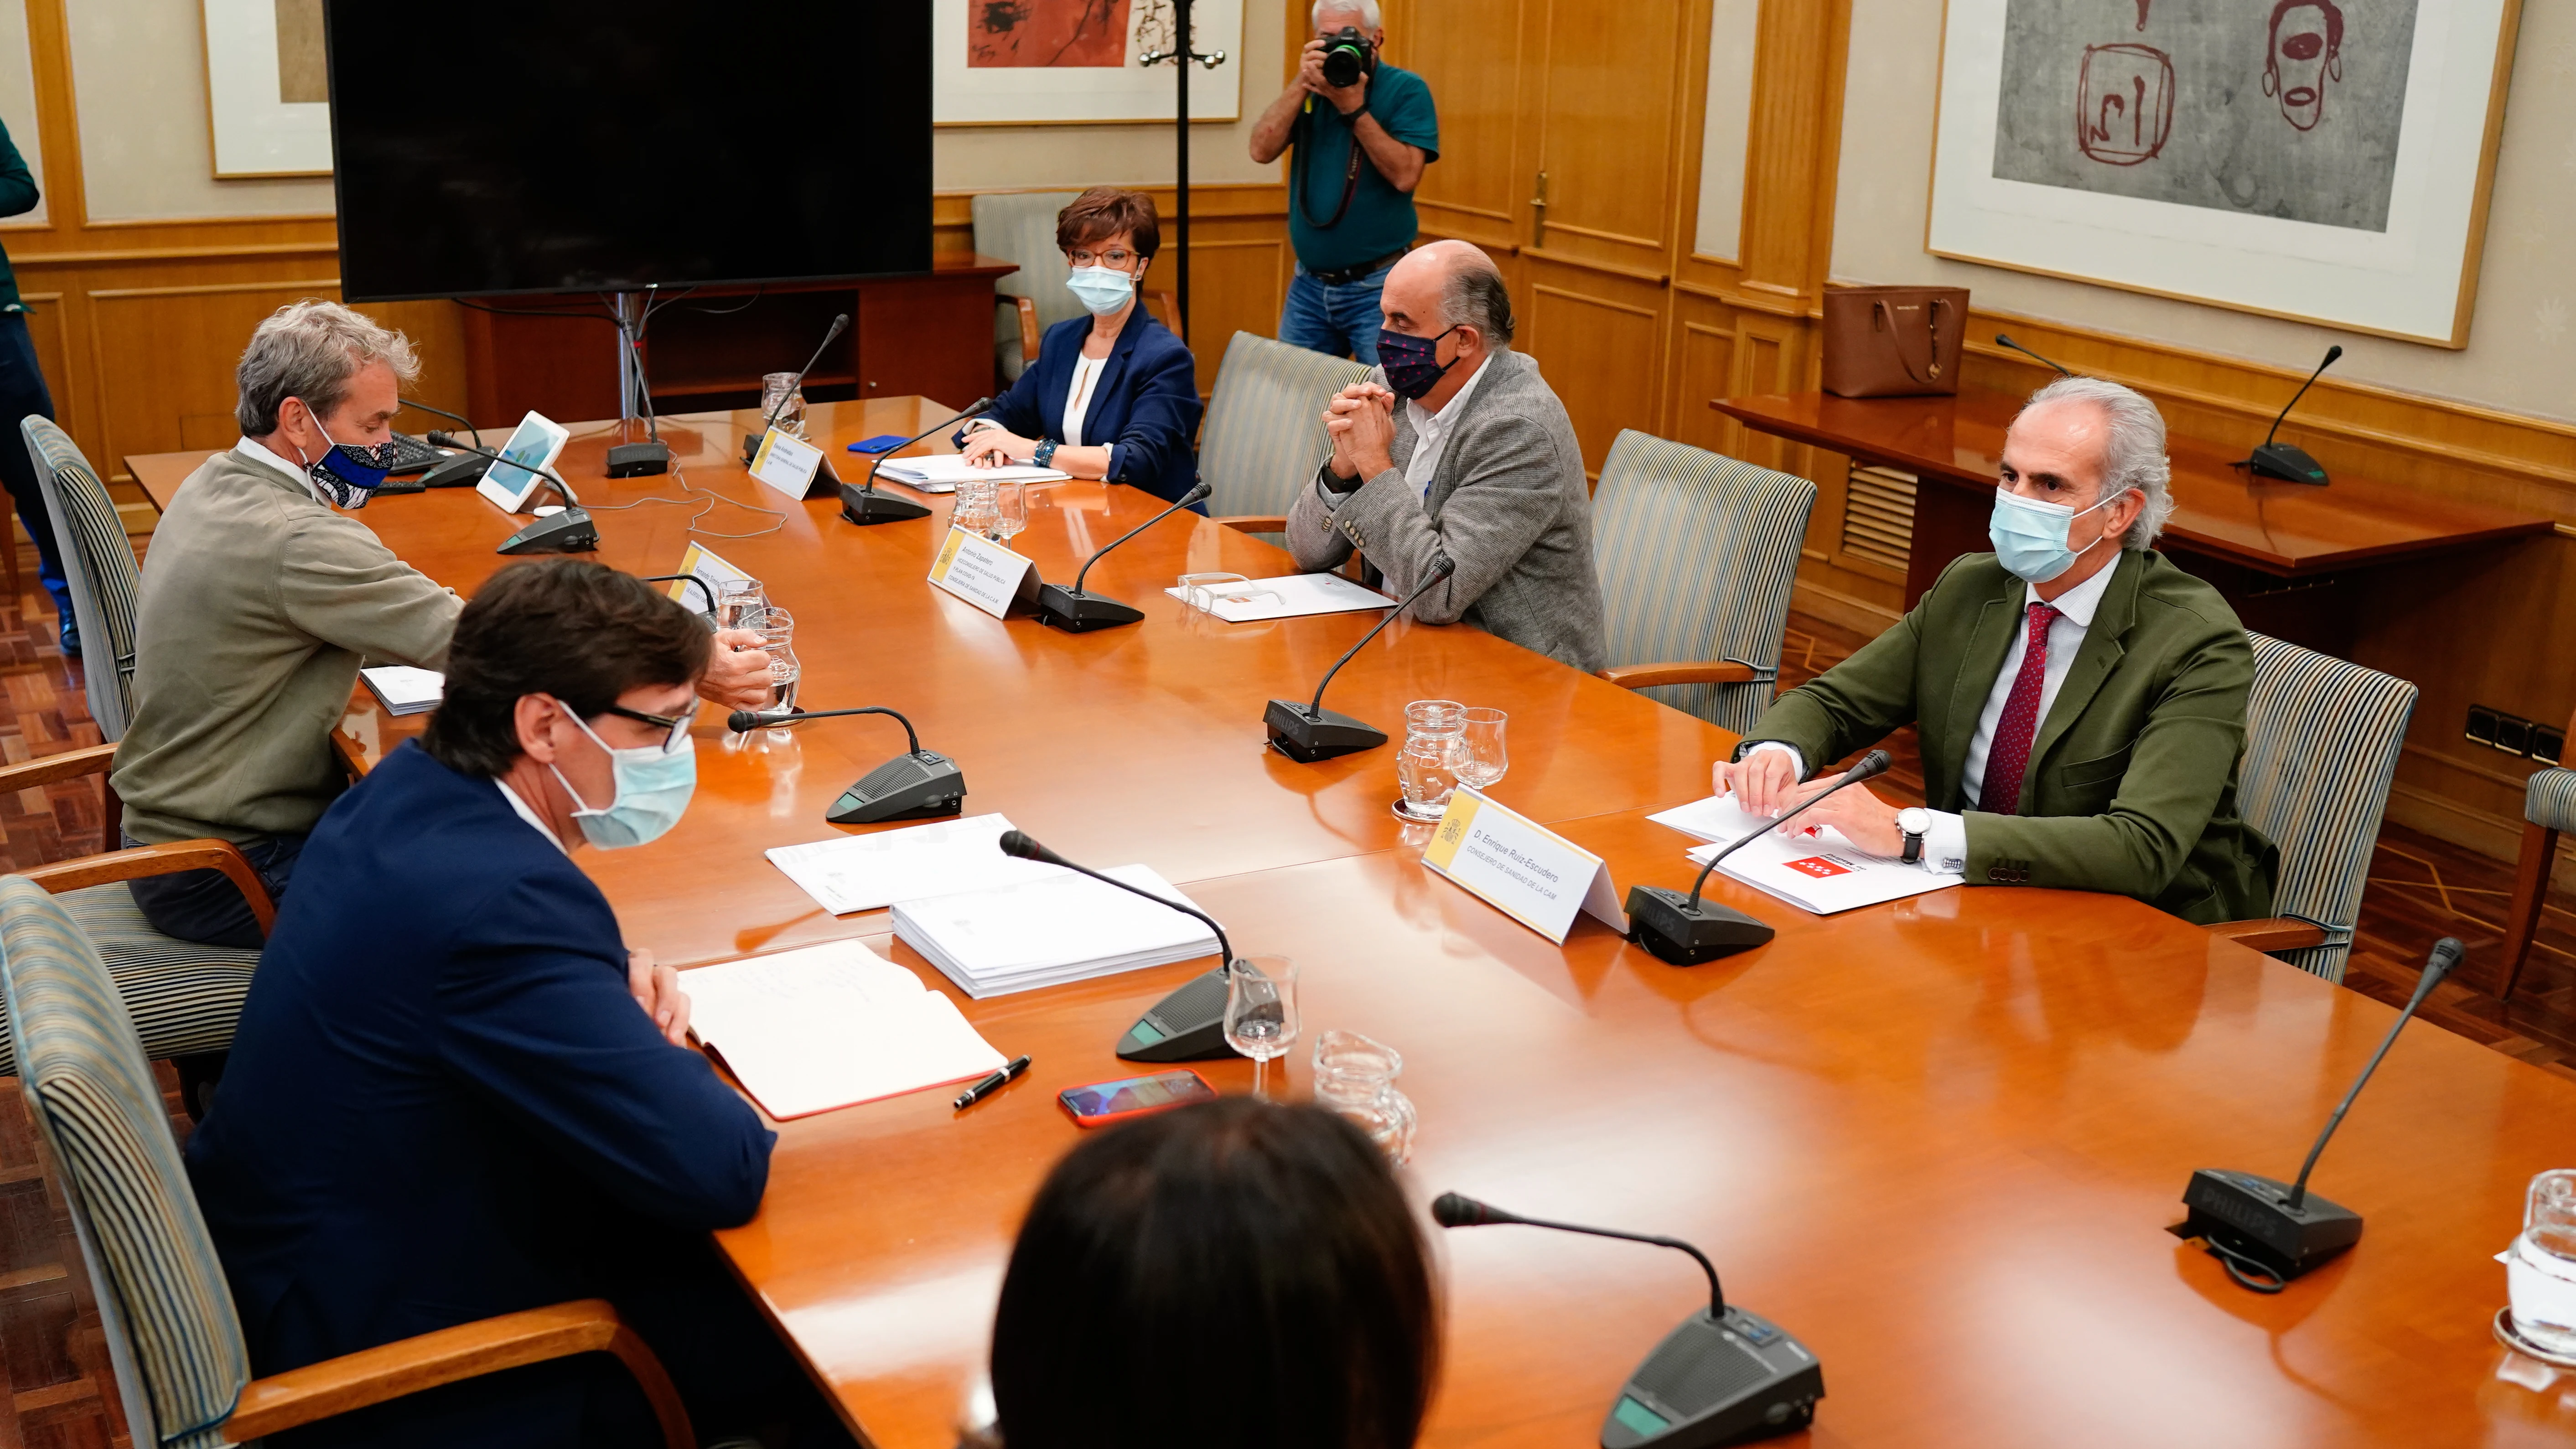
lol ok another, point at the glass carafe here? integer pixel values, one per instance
(1435, 745)
(2540, 1268)
(1356, 1077)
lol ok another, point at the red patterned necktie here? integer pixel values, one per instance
(2009, 755)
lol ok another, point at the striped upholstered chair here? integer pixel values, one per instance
(1696, 554)
(2548, 811)
(2321, 740)
(173, 1339)
(1019, 226)
(1265, 433)
(98, 562)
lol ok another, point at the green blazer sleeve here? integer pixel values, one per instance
(1860, 701)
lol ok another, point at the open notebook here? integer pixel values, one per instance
(1811, 867)
(829, 1026)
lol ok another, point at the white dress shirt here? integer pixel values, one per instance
(1945, 843)
(531, 816)
(1077, 397)
(1431, 432)
(256, 453)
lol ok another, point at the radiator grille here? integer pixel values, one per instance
(1878, 515)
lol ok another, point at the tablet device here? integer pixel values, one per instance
(537, 443)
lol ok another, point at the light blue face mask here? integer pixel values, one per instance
(2030, 536)
(653, 788)
(1102, 289)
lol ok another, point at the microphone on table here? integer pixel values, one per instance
(1309, 732)
(1723, 1376)
(1189, 1024)
(1685, 930)
(567, 531)
(2265, 1234)
(917, 785)
(751, 441)
(2004, 341)
(864, 505)
(461, 471)
(709, 614)
(1076, 612)
(2280, 460)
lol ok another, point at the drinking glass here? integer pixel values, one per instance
(2540, 1269)
(1427, 767)
(977, 510)
(777, 385)
(740, 604)
(1010, 509)
(1355, 1077)
(778, 634)
(1261, 1012)
(1487, 761)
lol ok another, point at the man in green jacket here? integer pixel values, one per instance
(2081, 701)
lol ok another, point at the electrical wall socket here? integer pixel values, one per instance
(2514, 735)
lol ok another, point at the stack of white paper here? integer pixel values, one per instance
(828, 1026)
(868, 872)
(1067, 927)
(942, 472)
(1291, 597)
(403, 689)
(1811, 867)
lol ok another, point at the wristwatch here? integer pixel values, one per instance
(1915, 822)
(1045, 453)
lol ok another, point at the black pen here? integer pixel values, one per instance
(991, 1084)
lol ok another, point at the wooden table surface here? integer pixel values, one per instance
(1939, 1140)
(2285, 529)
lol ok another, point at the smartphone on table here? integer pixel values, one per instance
(1102, 1103)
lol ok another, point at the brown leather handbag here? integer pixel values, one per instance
(1893, 341)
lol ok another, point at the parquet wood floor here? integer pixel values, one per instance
(56, 1390)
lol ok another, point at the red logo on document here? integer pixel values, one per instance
(1819, 866)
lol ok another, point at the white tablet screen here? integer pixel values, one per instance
(535, 444)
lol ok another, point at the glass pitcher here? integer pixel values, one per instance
(1356, 1077)
(1435, 745)
(2540, 1267)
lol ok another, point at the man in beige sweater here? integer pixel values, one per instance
(259, 602)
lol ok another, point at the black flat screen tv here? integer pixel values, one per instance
(487, 147)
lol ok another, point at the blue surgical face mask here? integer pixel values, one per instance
(1102, 289)
(2030, 536)
(653, 788)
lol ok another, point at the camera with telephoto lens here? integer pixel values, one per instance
(1347, 57)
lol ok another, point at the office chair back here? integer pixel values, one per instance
(2321, 741)
(1696, 554)
(1019, 226)
(1264, 434)
(98, 563)
(172, 1336)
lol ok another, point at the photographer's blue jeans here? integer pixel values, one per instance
(1342, 321)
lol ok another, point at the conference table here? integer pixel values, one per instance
(1939, 1140)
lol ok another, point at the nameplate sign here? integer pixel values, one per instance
(1528, 872)
(981, 572)
(701, 563)
(786, 462)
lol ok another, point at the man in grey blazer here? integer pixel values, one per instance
(1456, 447)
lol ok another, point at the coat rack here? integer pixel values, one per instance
(1181, 55)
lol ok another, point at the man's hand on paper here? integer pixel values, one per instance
(1764, 782)
(1864, 819)
(657, 990)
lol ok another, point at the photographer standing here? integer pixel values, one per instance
(1363, 131)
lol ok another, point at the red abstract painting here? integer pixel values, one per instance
(1046, 33)
(2124, 100)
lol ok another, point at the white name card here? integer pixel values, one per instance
(1528, 872)
(786, 462)
(981, 572)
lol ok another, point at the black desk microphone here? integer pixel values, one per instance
(569, 531)
(1076, 612)
(2280, 460)
(1309, 732)
(1687, 931)
(457, 472)
(916, 785)
(2265, 1234)
(751, 441)
(864, 505)
(1189, 1024)
(1724, 1376)
(2003, 341)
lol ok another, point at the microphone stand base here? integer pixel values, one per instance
(1079, 613)
(638, 460)
(2252, 1216)
(2288, 464)
(865, 507)
(1186, 1026)
(462, 471)
(570, 531)
(1697, 1388)
(1673, 930)
(920, 786)
(1305, 734)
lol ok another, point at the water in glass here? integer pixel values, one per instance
(740, 604)
(2540, 1271)
(776, 385)
(976, 509)
(1010, 510)
(1356, 1077)
(1261, 1011)
(1427, 767)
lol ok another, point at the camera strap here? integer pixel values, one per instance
(1306, 151)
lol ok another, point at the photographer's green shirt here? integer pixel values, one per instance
(1381, 220)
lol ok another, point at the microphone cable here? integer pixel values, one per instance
(2248, 1272)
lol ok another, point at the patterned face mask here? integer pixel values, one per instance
(348, 473)
(1412, 364)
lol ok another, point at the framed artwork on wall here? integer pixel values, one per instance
(2327, 161)
(1039, 62)
(268, 97)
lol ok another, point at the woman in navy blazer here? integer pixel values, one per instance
(1114, 395)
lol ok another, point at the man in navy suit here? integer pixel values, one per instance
(1113, 395)
(455, 1092)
